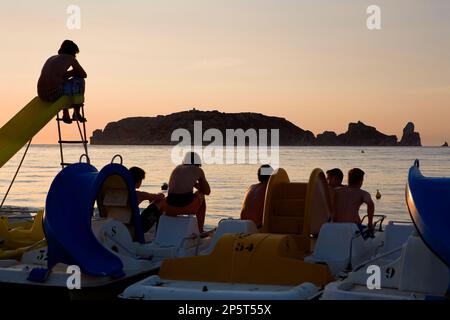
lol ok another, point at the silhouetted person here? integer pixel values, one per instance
(56, 80)
(348, 200)
(138, 176)
(151, 214)
(335, 178)
(181, 198)
(253, 205)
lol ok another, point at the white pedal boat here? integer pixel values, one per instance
(107, 253)
(275, 264)
(417, 269)
(409, 272)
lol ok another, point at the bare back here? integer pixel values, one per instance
(185, 178)
(253, 205)
(347, 202)
(55, 71)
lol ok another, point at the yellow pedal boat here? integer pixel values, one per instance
(19, 237)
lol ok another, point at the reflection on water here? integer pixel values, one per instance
(386, 169)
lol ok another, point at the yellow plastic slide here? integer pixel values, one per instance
(29, 121)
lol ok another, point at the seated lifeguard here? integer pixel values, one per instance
(348, 200)
(181, 198)
(253, 205)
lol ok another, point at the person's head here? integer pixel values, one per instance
(264, 173)
(192, 158)
(355, 178)
(335, 177)
(138, 175)
(69, 47)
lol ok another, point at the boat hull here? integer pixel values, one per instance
(96, 289)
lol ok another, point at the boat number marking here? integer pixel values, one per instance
(241, 247)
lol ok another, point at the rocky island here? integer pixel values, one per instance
(158, 130)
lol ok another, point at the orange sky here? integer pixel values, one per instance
(312, 62)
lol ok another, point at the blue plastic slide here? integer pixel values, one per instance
(68, 213)
(428, 201)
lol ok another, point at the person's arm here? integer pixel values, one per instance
(202, 184)
(77, 70)
(367, 199)
(142, 196)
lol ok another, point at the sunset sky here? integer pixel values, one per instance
(312, 62)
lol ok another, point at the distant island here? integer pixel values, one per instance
(158, 130)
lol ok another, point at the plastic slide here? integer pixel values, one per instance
(29, 121)
(68, 213)
(429, 207)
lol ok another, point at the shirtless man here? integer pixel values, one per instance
(151, 214)
(56, 80)
(181, 199)
(138, 175)
(334, 178)
(253, 205)
(348, 200)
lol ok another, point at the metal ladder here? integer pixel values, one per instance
(83, 138)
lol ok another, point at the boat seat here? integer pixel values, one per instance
(333, 245)
(288, 209)
(234, 226)
(296, 208)
(172, 230)
(115, 205)
(113, 202)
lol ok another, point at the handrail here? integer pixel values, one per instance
(377, 257)
(191, 237)
(380, 220)
(88, 160)
(117, 156)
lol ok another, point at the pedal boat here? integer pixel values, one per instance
(294, 257)
(417, 269)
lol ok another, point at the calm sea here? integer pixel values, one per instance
(386, 169)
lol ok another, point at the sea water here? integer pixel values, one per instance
(386, 170)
